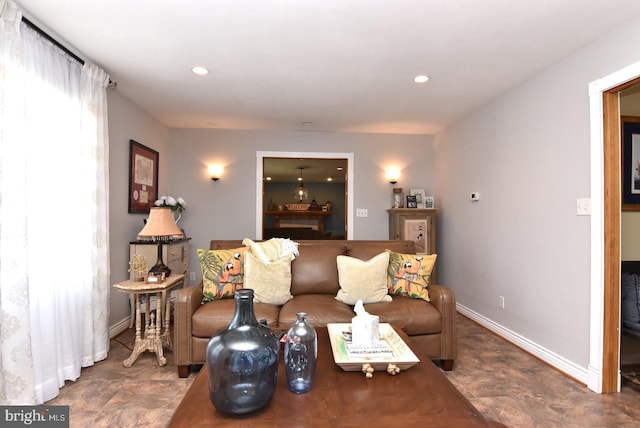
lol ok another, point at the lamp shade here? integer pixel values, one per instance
(160, 225)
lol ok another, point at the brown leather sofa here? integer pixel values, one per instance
(314, 285)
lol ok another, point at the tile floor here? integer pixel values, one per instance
(503, 382)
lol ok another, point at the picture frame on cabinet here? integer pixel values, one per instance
(420, 194)
(429, 202)
(411, 201)
(143, 177)
(416, 230)
(630, 167)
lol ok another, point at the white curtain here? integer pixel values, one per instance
(54, 255)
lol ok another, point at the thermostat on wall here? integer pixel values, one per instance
(475, 196)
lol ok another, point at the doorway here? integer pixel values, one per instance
(604, 366)
(300, 158)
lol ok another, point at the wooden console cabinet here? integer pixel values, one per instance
(175, 254)
(415, 224)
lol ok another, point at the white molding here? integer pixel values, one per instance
(119, 327)
(596, 321)
(554, 360)
(319, 155)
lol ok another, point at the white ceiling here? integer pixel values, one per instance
(343, 65)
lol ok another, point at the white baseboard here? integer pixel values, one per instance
(119, 327)
(562, 364)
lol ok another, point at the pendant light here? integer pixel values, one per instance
(301, 193)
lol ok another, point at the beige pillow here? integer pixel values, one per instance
(363, 280)
(271, 283)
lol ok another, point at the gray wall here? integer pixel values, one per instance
(527, 153)
(127, 122)
(227, 209)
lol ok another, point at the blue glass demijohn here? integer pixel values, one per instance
(242, 360)
(300, 354)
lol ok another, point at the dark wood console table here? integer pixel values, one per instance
(318, 216)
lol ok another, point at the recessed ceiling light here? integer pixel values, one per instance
(421, 78)
(200, 71)
(268, 178)
(329, 179)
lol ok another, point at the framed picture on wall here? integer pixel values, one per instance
(420, 195)
(143, 177)
(630, 134)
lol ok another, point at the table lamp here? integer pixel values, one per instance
(160, 228)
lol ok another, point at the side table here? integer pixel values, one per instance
(153, 338)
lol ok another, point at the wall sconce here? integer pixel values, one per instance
(393, 175)
(215, 171)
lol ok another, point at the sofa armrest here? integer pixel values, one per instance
(187, 301)
(444, 300)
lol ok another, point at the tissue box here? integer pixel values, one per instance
(365, 329)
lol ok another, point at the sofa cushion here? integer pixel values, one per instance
(321, 310)
(271, 283)
(630, 300)
(363, 280)
(211, 317)
(413, 316)
(364, 250)
(222, 272)
(315, 271)
(409, 274)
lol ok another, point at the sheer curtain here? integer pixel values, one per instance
(54, 258)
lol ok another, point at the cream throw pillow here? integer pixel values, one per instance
(362, 280)
(270, 283)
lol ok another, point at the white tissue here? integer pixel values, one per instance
(365, 328)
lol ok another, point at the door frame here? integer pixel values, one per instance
(606, 201)
(260, 155)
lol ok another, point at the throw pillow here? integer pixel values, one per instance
(271, 283)
(222, 272)
(409, 274)
(363, 280)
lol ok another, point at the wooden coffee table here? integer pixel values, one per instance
(418, 397)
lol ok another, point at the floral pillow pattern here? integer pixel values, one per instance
(222, 272)
(409, 274)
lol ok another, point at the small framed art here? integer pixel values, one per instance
(420, 195)
(411, 201)
(429, 202)
(143, 177)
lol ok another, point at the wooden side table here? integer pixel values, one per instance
(153, 338)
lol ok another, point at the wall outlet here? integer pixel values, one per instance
(501, 302)
(362, 212)
(474, 196)
(192, 276)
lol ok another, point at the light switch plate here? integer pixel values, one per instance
(583, 206)
(362, 212)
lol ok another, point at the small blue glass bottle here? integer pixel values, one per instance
(300, 354)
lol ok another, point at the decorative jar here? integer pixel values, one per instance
(398, 198)
(300, 354)
(242, 360)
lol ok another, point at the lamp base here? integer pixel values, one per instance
(159, 269)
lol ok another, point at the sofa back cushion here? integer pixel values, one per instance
(315, 270)
(364, 250)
